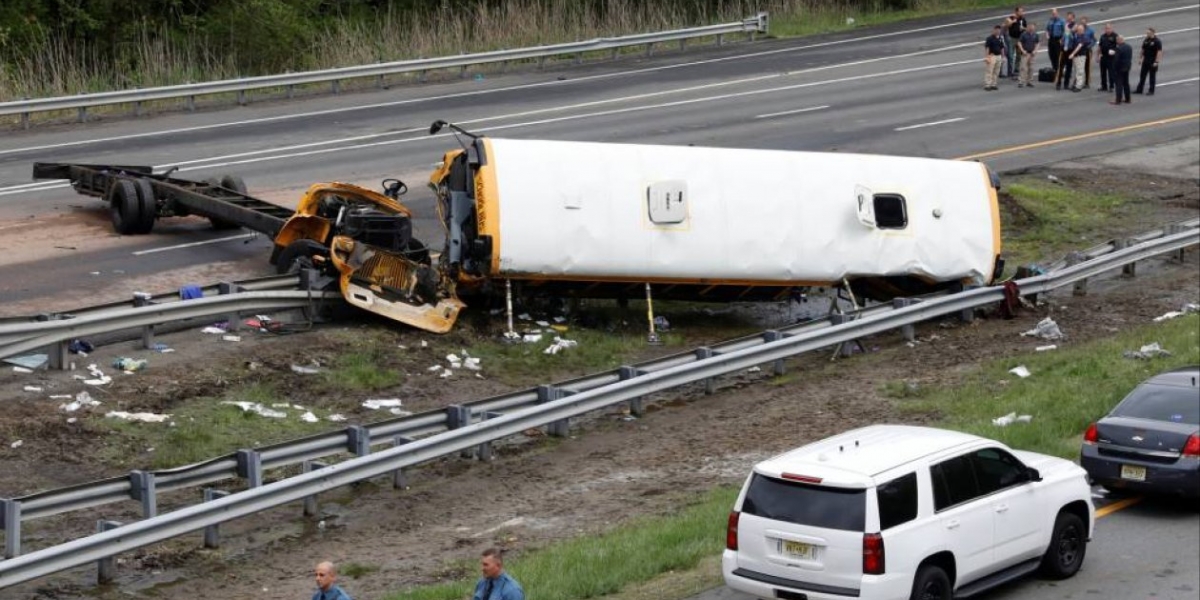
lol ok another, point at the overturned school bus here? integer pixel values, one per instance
(578, 219)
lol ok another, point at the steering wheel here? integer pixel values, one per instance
(394, 188)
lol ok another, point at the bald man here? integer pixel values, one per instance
(327, 588)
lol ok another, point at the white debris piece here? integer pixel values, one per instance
(336, 418)
(559, 345)
(753, 369)
(98, 376)
(472, 363)
(1046, 348)
(232, 338)
(16, 444)
(1020, 371)
(399, 412)
(22, 370)
(303, 370)
(542, 323)
(308, 417)
(1046, 329)
(1024, 418)
(33, 388)
(454, 360)
(434, 368)
(82, 400)
(59, 396)
(144, 417)
(255, 407)
(212, 330)
(1184, 310)
(524, 317)
(560, 319)
(1147, 352)
(424, 344)
(532, 338)
(1005, 421)
(446, 374)
(379, 403)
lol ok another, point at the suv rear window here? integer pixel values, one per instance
(806, 504)
(1161, 403)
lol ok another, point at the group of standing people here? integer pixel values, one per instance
(1071, 45)
(495, 584)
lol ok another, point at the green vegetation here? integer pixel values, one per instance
(1049, 219)
(1069, 388)
(355, 570)
(53, 48)
(592, 566)
(205, 428)
(362, 370)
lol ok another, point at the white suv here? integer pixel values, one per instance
(897, 512)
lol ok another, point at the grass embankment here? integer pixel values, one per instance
(673, 557)
(1050, 219)
(155, 51)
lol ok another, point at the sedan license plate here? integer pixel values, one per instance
(1133, 473)
(799, 550)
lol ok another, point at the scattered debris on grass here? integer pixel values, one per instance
(1046, 329)
(303, 370)
(1020, 371)
(130, 365)
(82, 400)
(28, 361)
(258, 409)
(1184, 310)
(1011, 418)
(1147, 352)
(559, 345)
(144, 417)
(1045, 348)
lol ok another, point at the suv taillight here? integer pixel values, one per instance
(873, 563)
(731, 531)
(1192, 447)
(1091, 436)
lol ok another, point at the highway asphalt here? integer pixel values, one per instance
(912, 89)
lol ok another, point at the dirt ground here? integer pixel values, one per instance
(537, 489)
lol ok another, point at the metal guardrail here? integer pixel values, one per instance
(554, 407)
(750, 26)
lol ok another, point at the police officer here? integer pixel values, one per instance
(1055, 30)
(993, 58)
(1152, 52)
(1108, 43)
(1016, 27)
(1027, 46)
(1065, 62)
(1122, 64)
(1090, 34)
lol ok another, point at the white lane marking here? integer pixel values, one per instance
(792, 112)
(931, 124)
(225, 160)
(194, 244)
(1178, 82)
(44, 185)
(586, 78)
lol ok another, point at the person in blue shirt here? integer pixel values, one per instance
(1090, 35)
(1078, 56)
(495, 583)
(327, 588)
(1056, 28)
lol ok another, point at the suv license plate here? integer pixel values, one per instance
(799, 550)
(1133, 473)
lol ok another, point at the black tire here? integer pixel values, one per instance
(225, 182)
(1068, 545)
(298, 254)
(147, 206)
(124, 207)
(931, 583)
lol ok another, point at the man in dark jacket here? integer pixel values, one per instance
(1108, 43)
(1151, 55)
(1016, 27)
(1122, 63)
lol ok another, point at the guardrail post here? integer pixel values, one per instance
(232, 318)
(241, 97)
(1074, 258)
(336, 86)
(462, 72)
(25, 120)
(541, 62)
(636, 408)
(843, 349)
(486, 454)
(10, 522)
(1172, 229)
(545, 395)
(966, 315)
(613, 54)
(649, 49)
(144, 299)
(141, 484)
(579, 58)
(459, 416)
(310, 502)
(58, 354)
(908, 331)
(212, 533)
(423, 75)
(720, 39)
(682, 44)
(291, 91)
(1129, 269)
(249, 467)
(399, 479)
(769, 336)
(358, 440)
(710, 384)
(137, 109)
(191, 104)
(81, 114)
(106, 568)
(379, 82)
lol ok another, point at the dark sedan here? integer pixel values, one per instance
(1151, 441)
